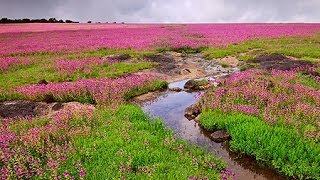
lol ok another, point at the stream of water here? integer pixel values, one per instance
(170, 107)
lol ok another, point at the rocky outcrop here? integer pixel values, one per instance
(197, 85)
(192, 112)
(191, 84)
(220, 136)
(176, 89)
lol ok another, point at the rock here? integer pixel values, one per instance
(159, 58)
(192, 112)
(57, 106)
(42, 81)
(177, 89)
(191, 84)
(196, 85)
(173, 54)
(228, 61)
(197, 119)
(185, 71)
(119, 57)
(220, 136)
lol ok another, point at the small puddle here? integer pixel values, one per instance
(170, 107)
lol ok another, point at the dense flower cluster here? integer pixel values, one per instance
(61, 37)
(28, 149)
(275, 96)
(85, 65)
(227, 174)
(42, 27)
(102, 91)
(9, 62)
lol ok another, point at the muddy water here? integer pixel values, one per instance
(170, 107)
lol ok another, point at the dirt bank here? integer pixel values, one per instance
(177, 66)
(23, 108)
(278, 61)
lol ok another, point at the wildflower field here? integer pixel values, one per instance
(273, 114)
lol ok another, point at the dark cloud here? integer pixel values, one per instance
(166, 10)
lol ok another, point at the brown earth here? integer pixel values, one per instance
(23, 108)
(229, 61)
(148, 97)
(175, 66)
(278, 61)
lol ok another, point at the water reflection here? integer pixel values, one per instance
(170, 107)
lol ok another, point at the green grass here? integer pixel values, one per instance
(307, 81)
(157, 85)
(187, 50)
(279, 144)
(42, 68)
(86, 53)
(131, 138)
(245, 57)
(306, 48)
(202, 82)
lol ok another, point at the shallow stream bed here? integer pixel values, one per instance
(170, 106)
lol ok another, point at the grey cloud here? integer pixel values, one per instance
(166, 10)
(28, 8)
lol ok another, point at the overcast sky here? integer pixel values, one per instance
(165, 10)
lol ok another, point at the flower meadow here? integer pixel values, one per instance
(275, 96)
(140, 37)
(33, 147)
(82, 142)
(10, 62)
(271, 115)
(110, 92)
(85, 65)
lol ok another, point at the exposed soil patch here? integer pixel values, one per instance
(230, 61)
(148, 97)
(119, 57)
(167, 64)
(175, 66)
(278, 61)
(23, 108)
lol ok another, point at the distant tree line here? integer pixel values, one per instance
(26, 20)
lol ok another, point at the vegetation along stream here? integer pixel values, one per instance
(170, 106)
